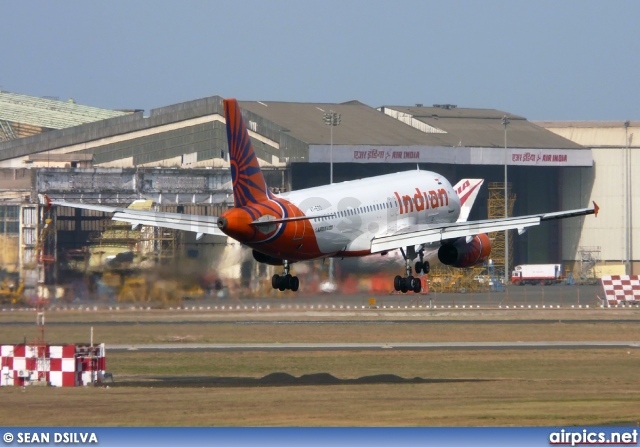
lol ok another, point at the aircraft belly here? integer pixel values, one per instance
(360, 244)
(332, 241)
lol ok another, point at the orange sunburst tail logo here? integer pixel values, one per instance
(249, 186)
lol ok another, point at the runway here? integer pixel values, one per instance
(243, 347)
(521, 298)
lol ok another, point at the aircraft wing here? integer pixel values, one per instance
(177, 221)
(425, 234)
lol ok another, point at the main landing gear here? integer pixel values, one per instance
(286, 281)
(408, 283)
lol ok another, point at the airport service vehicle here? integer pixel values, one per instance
(417, 212)
(537, 274)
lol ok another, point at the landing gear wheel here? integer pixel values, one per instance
(282, 283)
(425, 267)
(397, 282)
(419, 267)
(275, 281)
(416, 285)
(294, 283)
(285, 282)
(404, 285)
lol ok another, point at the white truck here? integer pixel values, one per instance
(537, 274)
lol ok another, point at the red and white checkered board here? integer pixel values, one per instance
(68, 365)
(621, 288)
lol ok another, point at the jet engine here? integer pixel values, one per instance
(265, 259)
(463, 254)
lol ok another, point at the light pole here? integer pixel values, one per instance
(505, 123)
(331, 119)
(627, 176)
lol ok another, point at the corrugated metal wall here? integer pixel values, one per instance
(606, 185)
(289, 147)
(208, 140)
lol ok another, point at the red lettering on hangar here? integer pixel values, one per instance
(422, 200)
(562, 158)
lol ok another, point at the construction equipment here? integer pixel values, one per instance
(10, 294)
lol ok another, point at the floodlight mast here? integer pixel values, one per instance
(505, 123)
(331, 119)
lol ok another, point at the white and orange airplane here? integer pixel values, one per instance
(416, 212)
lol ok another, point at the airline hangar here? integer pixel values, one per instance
(177, 156)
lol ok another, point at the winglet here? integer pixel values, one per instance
(596, 208)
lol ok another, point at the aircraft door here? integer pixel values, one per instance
(298, 226)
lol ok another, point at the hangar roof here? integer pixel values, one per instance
(49, 113)
(483, 127)
(364, 125)
(360, 124)
(588, 124)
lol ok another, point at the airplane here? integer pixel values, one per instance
(417, 212)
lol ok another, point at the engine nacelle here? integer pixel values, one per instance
(266, 259)
(459, 253)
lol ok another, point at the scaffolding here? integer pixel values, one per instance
(447, 279)
(146, 245)
(589, 258)
(46, 254)
(132, 254)
(495, 207)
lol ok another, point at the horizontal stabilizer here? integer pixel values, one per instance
(176, 221)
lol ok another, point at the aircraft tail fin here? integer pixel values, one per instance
(467, 190)
(249, 185)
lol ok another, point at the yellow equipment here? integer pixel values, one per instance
(9, 294)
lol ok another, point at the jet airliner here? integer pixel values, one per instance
(417, 212)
